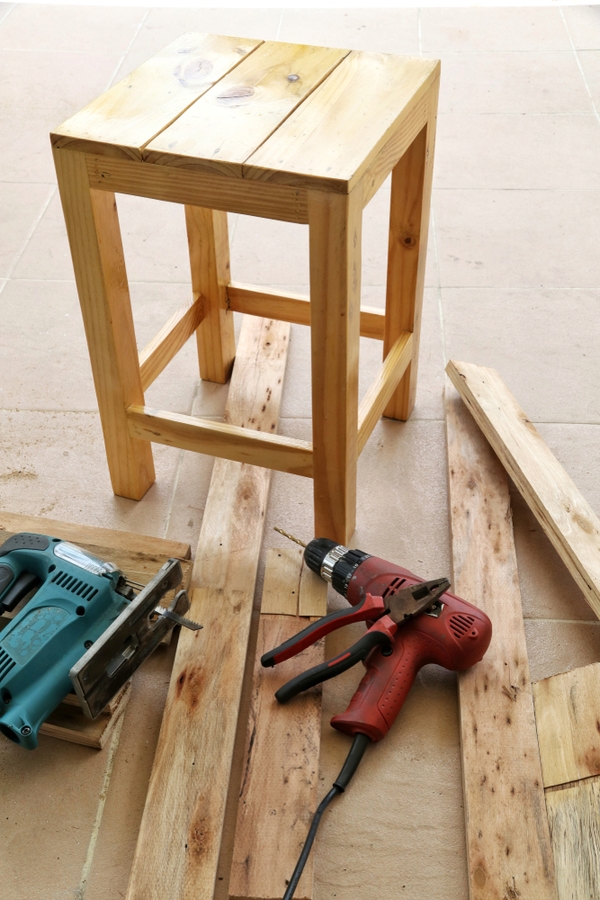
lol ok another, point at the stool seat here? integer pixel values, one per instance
(283, 131)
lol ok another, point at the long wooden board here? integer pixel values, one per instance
(508, 841)
(566, 517)
(567, 709)
(180, 836)
(278, 794)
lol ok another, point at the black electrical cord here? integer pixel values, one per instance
(359, 745)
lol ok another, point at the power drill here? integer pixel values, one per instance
(412, 623)
(84, 629)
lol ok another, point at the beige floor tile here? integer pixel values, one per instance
(529, 239)
(518, 152)
(504, 82)
(25, 145)
(60, 81)
(5, 9)
(21, 206)
(375, 30)
(47, 255)
(490, 29)
(590, 63)
(522, 334)
(82, 29)
(555, 647)
(583, 24)
(53, 464)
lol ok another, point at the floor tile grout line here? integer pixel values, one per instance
(30, 234)
(419, 33)
(579, 66)
(280, 24)
(438, 286)
(8, 12)
(130, 45)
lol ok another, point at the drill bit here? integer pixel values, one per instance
(290, 537)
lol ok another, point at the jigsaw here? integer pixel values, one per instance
(84, 629)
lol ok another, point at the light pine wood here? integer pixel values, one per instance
(278, 795)
(281, 588)
(333, 138)
(251, 198)
(223, 128)
(377, 396)
(575, 827)
(159, 352)
(95, 241)
(208, 243)
(68, 723)
(408, 234)
(124, 119)
(508, 841)
(180, 835)
(565, 516)
(219, 439)
(259, 301)
(335, 224)
(567, 711)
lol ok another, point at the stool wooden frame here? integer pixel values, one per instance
(347, 122)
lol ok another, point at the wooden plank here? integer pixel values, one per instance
(278, 795)
(335, 266)
(508, 841)
(384, 385)
(313, 594)
(259, 301)
(159, 352)
(281, 588)
(95, 240)
(68, 723)
(180, 836)
(567, 711)
(208, 242)
(565, 516)
(251, 198)
(221, 439)
(333, 138)
(124, 119)
(409, 231)
(575, 828)
(222, 129)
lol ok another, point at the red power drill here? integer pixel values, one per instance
(412, 623)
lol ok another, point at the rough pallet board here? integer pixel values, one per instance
(278, 794)
(567, 709)
(68, 722)
(180, 836)
(566, 517)
(508, 841)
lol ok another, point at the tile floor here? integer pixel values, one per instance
(513, 282)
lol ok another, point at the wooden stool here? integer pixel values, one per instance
(283, 131)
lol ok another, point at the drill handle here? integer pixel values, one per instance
(379, 636)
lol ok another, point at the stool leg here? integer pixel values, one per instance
(335, 224)
(95, 241)
(409, 224)
(208, 241)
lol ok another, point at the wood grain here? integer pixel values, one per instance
(278, 794)
(223, 128)
(159, 352)
(565, 516)
(126, 117)
(575, 827)
(180, 836)
(379, 393)
(508, 842)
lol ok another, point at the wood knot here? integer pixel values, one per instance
(235, 96)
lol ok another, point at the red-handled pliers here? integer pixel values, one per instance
(387, 616)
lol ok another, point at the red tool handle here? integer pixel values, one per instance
(456, 639)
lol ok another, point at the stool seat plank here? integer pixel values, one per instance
(330, 141)
(229, 122)
(125, 118)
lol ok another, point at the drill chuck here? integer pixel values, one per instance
(333, 562)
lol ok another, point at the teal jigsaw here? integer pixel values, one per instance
(84, 629)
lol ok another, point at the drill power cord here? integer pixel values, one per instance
(359, 745)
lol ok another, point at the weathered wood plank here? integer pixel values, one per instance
(566, 517)
(180, 836)
(124, 119)
(508, 841)
(575, 828)
(278, 795)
